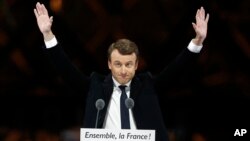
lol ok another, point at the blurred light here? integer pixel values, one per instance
(56, 5)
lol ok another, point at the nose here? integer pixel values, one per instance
(123, 70)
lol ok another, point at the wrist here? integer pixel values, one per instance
(198, 41)
(48, 36)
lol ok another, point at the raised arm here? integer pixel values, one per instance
(44, 21)
(70, 73)
(182, 61)
(200, 27)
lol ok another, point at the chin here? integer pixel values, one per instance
(123, 82)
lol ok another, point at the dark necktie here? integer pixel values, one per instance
(124, 110)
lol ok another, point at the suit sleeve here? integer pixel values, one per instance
(70, 74)
(177, 66)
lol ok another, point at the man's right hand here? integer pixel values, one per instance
(44, 22)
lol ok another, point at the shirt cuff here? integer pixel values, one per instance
(51, 43)
(194, 48)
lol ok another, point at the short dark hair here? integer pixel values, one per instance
(124, 47)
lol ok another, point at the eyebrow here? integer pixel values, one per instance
(120, 61)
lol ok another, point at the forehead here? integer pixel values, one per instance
(116, 56)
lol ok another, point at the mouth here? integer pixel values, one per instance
(123, 76)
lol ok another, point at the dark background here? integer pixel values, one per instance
(207, 101)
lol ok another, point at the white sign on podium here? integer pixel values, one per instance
(93, 134)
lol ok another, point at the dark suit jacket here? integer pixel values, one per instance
(146, 110)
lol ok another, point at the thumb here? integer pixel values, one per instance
(51, 19)
(194, 26)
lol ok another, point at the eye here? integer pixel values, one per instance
(117, 64)
(129, 65)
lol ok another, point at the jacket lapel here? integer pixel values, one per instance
(135, 88)
(108, 88)
(107, 92)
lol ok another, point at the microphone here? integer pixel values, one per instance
(129, 102)
(99, 104)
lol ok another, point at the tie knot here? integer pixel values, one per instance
(122, 87)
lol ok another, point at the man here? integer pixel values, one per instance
(123, 62)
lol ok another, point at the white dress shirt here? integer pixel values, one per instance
(113, 115)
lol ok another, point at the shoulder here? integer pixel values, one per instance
(97, 76)
(144, 75)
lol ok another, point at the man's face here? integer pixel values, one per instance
(123, 67)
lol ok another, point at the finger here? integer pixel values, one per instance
(36, 14)
(194, 26)
(51, 19)
(197, 13)
(202, 13)
(44, 10)
(38, 8)
(37, 4)
(207, 18)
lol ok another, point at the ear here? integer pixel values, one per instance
(109, 64)
(136, 64)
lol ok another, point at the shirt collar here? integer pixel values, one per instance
(117, 84)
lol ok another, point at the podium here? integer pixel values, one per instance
(94, 134)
